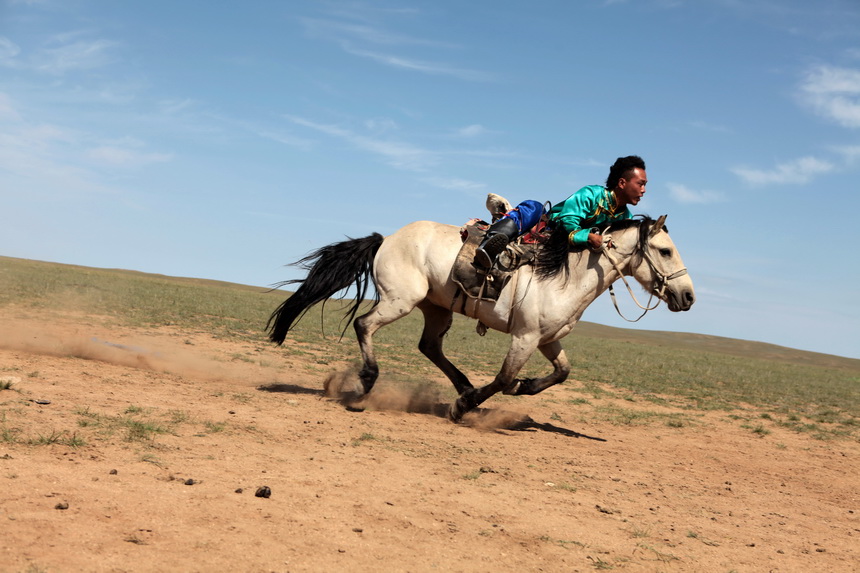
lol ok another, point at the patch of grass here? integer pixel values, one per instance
(9, 435)
(139, 430)
(695, 535)
(660, 555)
(214, 427)
(58, 437)
(561, 542)
(639, 533)
(630, 417)
(365, 437)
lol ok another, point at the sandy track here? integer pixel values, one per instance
(158, 440)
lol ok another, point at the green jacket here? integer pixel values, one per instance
(586, 209)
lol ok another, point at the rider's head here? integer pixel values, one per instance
(622, 168)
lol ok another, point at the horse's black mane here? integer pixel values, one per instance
(552, 258)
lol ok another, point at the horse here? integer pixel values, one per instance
(538, 306)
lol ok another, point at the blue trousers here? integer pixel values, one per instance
(527, 214)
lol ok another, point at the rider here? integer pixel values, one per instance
(579, 215)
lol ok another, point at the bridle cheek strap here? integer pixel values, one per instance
(659, 285)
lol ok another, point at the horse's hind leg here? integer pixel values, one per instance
(561, 368)
(437, 321)
(365, 326)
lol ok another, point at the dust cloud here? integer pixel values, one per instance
(421, 398)
(146, 353)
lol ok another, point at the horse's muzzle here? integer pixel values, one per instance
(681, 300)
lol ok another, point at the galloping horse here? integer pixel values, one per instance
(538, 306)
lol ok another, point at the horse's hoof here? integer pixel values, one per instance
(513, 389)
(454, 413)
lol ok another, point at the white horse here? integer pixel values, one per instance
(538, 306)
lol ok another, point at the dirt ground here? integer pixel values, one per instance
(154, 444)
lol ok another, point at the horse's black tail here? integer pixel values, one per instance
(330, 269)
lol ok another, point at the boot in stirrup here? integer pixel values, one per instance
(497, 238)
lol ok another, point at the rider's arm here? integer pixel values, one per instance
(571, 213)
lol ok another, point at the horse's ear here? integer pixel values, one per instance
(657, 225)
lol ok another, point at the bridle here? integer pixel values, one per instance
(659, 287)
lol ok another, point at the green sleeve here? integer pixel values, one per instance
(571, 213)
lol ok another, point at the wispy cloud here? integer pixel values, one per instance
(7, 109)
(850, 153)
(705, 126)
(795, 172)
(396, 153)
(684, 194)
(455, 184)
(124, 157)
(834, 93)
(61, 54)
(8, 51)
(365, 41)
(432, 68)
(473, 130)
(340, 31)
(286, 139)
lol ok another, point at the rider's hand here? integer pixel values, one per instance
(595, 241)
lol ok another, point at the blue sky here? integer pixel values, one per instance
(223, 140)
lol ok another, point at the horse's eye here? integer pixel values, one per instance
(666, 253)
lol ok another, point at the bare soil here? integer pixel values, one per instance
(154, 444)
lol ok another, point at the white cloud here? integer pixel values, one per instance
(124, 157)
(354, 39)
(381, 125)
(286, 139)
(455, 184)
(7, 109)
(851, 153)
(431, 68)
(684, 194)
(795, 172)
(396, 153)
(833, 93)
(8, 50)
(698, 124)
(80, 55)
(339, 32)
(473, 130)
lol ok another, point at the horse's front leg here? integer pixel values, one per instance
(519, 352)
(561, 368)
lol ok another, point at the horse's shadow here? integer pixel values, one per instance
(289, 389)
(478, 418)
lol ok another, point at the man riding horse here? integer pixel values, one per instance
(578, 215)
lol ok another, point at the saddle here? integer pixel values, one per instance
(478, 283)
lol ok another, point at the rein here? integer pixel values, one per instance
(659, 286)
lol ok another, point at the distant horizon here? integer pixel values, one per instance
(272, 288)
(225, 141)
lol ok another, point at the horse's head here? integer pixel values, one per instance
(660, 268)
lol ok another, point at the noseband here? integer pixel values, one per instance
(659, 287)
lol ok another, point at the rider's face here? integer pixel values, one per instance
(630, 189)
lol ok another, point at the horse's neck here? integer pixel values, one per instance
(598, 270)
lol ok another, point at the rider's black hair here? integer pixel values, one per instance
(621, 168)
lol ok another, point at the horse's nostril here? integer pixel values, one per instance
(689, 297)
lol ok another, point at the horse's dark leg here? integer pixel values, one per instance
(365, 326)
(561, 368)
(520, 351)
(437, 321)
